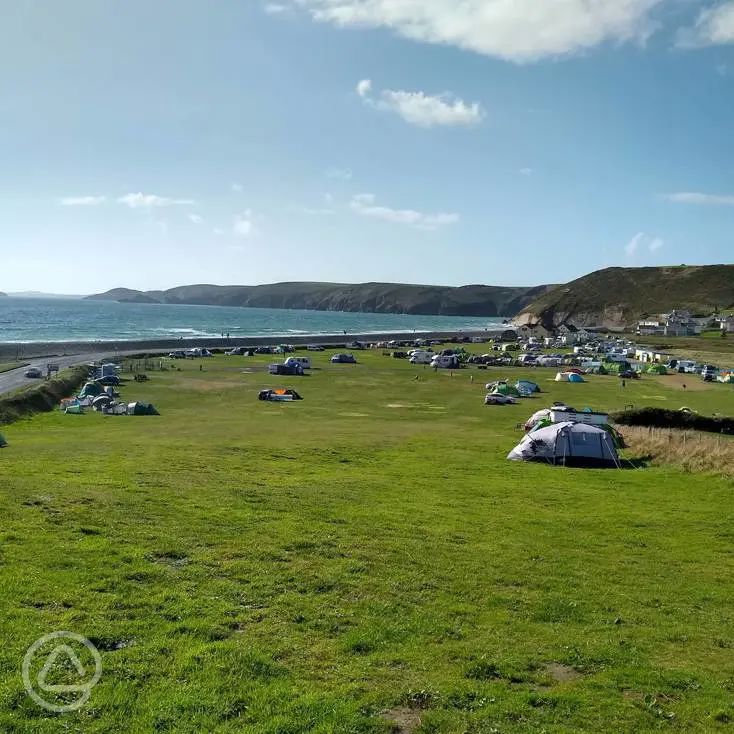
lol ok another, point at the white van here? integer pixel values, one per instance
(305, 362)
(445, 362)
(420, 357)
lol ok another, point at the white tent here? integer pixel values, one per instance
(568, 444)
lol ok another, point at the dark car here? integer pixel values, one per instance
(315, 348)
(399, 355)
(179, 354)
(343, 359)
(356, 345)
(629, 375)
(286, 369)
(33, 373)
(113, 380)
(264, 350)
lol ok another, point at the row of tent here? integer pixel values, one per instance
(108, 406)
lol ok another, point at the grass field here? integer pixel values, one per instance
(7, 366)
(364, 561)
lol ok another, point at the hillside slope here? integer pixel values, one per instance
(617, 297)
(470, 300)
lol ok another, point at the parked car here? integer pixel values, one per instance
(399, 355)
(343, 359)
(264, 350)
(178, 354)
(420, 357)
(286, 369)
(109, 380)
(355, 345)
(33, 373)
(237, 352)
(315, 348)
(495, 398)
(629, 375)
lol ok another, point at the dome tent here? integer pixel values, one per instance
(568, 444)
(3, 442)
(527, 385)
(657, 369)
(502, 388)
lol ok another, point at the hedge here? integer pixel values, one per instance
(683, 419)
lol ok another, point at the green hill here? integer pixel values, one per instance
(470, 300)
(617, 297)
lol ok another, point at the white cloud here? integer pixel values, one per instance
(218, 231)
(82, 200)
(341, 174)
(237, 188)
(423, 110)
(695, 197)
(516, 30)
(148, 201)
(275, 8)
(714, 27)
(642, 241)
(243, 225)
(364, 205)
(196, 219)
(526, 171)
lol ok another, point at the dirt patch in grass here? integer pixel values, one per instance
(404, 720)
(560, 673)
(693, 383)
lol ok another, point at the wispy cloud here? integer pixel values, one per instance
(82, 200)
(196, 219)
(421, 109)
(316, 212)
(243, 225)
(340, 174)
(149, 201)
(516, 30)
(275, 8)
(696, 197)
(713, 27)
(218, 231)
(237, 188)
(526, 171)
(642, 241)
(364, 205)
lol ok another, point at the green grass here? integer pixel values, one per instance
(283, 568)
(7, 366)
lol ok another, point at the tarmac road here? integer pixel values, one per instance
(14, 379)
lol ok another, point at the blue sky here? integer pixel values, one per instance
(153, 144)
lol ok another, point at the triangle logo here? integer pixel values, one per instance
(68, 656)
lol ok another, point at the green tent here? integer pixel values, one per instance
(141, 409)
(657, 369)
(3, 442)
(74, 410)
(91, 390)
(504, 389)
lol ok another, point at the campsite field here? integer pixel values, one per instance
(363, 561)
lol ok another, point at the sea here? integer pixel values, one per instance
(29, 320)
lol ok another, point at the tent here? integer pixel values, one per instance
(101, 401)
(657, 369)
(569, 377)
(502, 388)
(568, 444)
(527, 386)
(91, 389)
(3, 442)
(539, 419)
(74, 410)
(141, 409)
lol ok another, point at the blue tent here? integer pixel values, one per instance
(573, 377)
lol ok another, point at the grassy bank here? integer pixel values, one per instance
(7, 366)
(42, 396)
(363, 557)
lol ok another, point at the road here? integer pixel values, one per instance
(14, 379)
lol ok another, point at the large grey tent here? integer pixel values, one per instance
(568, 444)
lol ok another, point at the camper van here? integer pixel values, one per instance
(445, 362)
(421, 357)
(305, 362)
